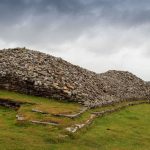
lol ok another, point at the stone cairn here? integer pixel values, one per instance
(36, 73)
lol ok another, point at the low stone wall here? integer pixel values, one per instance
(94, 115)
(72, 116)
(102, 113)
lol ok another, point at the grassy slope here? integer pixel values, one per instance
(47, 105)
(124, 130)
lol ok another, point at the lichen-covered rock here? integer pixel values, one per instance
(36, 73)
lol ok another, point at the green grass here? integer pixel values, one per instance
(128, 129)
(45, 104)
(124, 130)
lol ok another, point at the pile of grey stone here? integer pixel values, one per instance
(148, 82)
(36, 73)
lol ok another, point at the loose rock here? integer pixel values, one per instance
(36, 73)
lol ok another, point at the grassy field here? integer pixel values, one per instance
(127, 129)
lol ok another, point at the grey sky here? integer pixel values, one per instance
(96, 34)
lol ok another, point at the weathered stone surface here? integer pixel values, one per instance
(77, 127)
(75, 115)
(20, 118)
(36, 73)
(44, 123)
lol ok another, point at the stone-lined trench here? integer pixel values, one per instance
(10, 103)
(15, 105)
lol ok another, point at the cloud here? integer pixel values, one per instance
(96, 34)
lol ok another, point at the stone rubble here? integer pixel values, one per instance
(148, 83)
(36, 73)
(20, 118)
(76, 127)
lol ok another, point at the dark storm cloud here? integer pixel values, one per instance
(62, 20)
(97, 29)
(120, 11)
